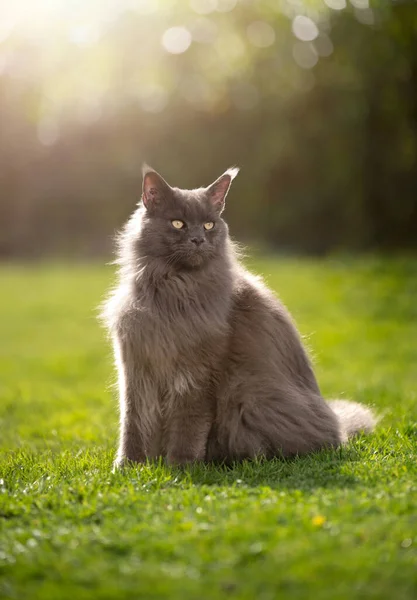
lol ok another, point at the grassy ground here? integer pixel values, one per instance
(339, 524)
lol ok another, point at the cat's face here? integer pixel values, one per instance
(183, 227)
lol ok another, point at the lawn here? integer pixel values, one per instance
(336, 525)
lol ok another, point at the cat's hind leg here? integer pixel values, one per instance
(277, 424)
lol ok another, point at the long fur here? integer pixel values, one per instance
(210, 364)
(353, 418)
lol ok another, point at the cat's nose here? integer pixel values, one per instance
(198, 240)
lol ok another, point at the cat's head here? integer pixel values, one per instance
(183, 227)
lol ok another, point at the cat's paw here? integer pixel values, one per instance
(119, 464)
(122, 462)
(181, 460)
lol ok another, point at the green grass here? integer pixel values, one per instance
(339, 524)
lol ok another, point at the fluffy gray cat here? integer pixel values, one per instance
(210, 364)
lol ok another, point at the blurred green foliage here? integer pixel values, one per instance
(317, 103)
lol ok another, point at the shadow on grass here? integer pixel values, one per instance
(326, 469)
(302, 473)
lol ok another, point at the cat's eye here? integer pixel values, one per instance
(209, 225)
(177, 224)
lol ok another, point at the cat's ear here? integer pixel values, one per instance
(217, 191)
(154, 188)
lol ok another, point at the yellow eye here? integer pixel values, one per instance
(209, 225)
(177, 224)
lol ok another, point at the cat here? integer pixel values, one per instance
(210, 364)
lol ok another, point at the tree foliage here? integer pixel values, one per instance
(317, 103)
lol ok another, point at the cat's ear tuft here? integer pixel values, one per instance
(217, 191)
(154, 188)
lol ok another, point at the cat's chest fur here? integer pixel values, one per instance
(174, 321)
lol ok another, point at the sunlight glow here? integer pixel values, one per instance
(85, 34)
(84, 60)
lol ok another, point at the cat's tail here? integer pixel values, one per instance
(353, 418)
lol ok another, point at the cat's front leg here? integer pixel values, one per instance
(188, 431)
(138, 409)
(131, 442)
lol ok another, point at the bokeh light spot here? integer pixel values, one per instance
(363, 4)
(203, 30)
(365, 16)
(203, 7)
(153, 98)
(226, 5)
(323, 45)
(336, 4)
(176, 40)
(144, 7)
(304, 28)
(261, 34)
(305, 55)
(48, 131)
